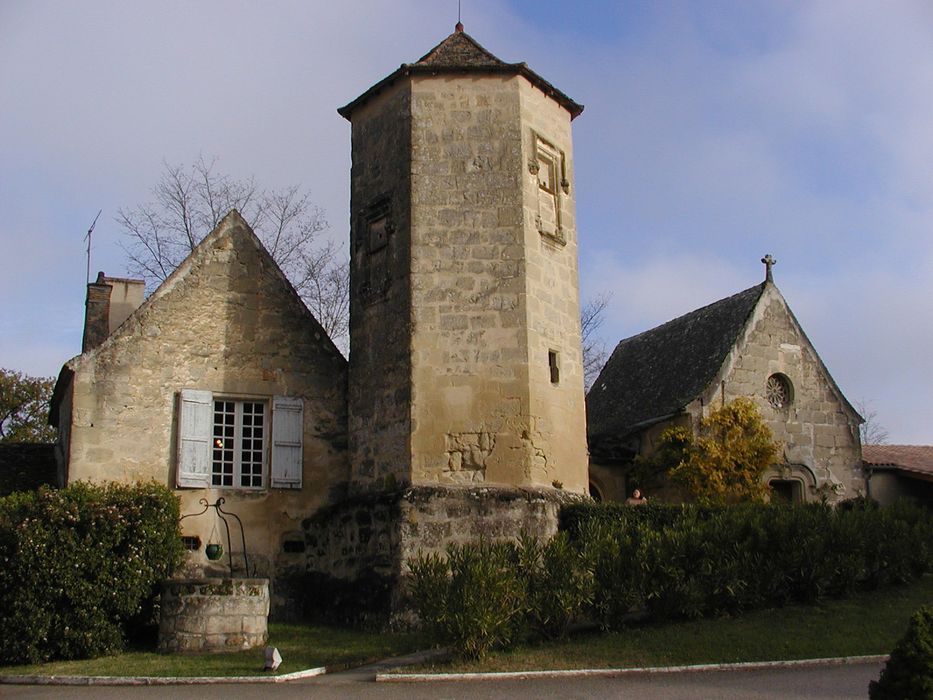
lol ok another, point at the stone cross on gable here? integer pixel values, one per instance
(769, 263)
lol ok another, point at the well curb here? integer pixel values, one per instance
(612, 672)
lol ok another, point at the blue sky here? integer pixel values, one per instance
(714, 132)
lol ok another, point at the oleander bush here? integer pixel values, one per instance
(79, 565)
(474, 599)
(558, 583)
(691, 561)
(614, 562)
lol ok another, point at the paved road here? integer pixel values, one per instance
(822, 683)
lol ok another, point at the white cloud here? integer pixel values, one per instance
(712, 135)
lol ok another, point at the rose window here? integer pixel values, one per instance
(778, 391)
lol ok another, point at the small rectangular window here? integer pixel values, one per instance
(238, 458)
(553, 366)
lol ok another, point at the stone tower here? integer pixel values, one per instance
(465, 361)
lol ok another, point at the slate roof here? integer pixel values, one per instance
(461, 53)
(652, 376)
(915, 459)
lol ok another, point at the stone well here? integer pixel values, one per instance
(214, 614)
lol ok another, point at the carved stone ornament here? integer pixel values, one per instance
(556, 236)
(533, 167)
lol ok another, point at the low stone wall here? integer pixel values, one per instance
(377, 533)
(213, 614)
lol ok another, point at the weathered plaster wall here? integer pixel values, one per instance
(227, 322)
(888, 486)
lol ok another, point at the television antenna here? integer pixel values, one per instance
(88, 239)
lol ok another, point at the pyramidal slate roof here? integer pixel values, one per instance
(461, 53)
(654, 375)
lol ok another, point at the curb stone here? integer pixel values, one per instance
(159, 680)
(426, 677)
(612, 672)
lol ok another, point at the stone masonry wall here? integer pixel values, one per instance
(380, 532)
(818, 430)
(490, 297)
(380, 299)
(227, 322)
(558, 426)
(213, 614)
(469, 354)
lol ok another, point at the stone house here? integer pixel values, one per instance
(749, 344)
(893, 472)
(220, 384)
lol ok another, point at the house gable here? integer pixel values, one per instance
(817, 427)
(732, 348)
(226, 321)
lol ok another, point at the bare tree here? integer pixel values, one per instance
(190, 202)
(871, 432)
(592, 315)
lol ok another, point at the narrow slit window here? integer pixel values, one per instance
(553, 366)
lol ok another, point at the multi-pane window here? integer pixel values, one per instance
(249, 443)
(238, 443)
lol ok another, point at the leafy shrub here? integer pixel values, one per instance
(615, 561)
(558, 583)
(78, 564)
(687, 561)
(908, 674)
(474, 600)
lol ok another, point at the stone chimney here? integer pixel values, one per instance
(110, 301)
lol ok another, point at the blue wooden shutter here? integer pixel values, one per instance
(287, 431)
(195, 420)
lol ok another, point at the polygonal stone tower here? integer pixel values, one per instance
(465, 352)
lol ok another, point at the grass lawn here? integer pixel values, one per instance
(301, 646)
(868, 623)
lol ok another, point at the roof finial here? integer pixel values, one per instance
(459, 25)
(769, 263)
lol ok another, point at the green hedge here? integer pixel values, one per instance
(687, 562)
(613, 562)
(486, 595)
(78, 565)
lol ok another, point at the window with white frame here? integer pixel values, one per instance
(226, 442)
(238, 454)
